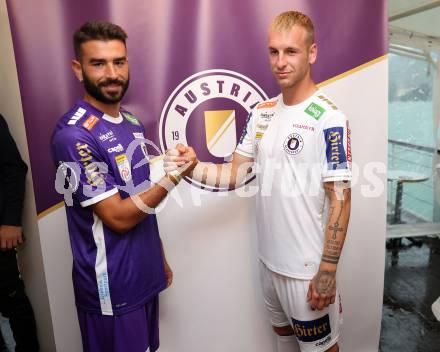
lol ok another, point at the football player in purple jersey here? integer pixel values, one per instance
(119, 266)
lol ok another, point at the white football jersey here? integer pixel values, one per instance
(296, 149)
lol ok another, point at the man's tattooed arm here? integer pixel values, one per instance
(322, 289)
(339, 196)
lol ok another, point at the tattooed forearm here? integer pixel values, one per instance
(337, 222)
(335, 228)
(325, 282)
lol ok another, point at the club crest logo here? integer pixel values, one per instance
(293, 144)
(208, 111)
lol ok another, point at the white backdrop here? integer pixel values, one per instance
(215, 302)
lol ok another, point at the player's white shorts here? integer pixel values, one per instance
(286, 300)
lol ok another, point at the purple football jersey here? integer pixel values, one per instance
(112, 273)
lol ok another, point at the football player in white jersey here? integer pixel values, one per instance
(303, 222)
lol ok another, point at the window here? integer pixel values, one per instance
(411, 142)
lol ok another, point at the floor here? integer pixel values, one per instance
(412, 284)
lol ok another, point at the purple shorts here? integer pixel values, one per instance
(135, 331)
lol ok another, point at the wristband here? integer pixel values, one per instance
(176, 175)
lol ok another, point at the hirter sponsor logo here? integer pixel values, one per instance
(93, 175)
(336, 157)
(312, 330)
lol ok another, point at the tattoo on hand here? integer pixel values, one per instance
(325, 282)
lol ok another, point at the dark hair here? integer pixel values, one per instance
(97, 30)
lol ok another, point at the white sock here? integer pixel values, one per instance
(287, 344)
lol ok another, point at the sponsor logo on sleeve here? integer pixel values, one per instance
(93, 176)
(91, 121)
(334, 140)
(313, 330)
(76, 116)
(315, 111)
(130, 118)
(293, 144)
(123, 167)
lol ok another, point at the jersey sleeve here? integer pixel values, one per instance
(78, 156)
(246, 145)
(335, 149)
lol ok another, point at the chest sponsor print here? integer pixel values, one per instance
(107, 136)
(304, 127)
(116, 149)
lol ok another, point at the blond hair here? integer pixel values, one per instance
(286, 20)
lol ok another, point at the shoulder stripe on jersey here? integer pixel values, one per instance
(76, 116)
(328, 101)
(101, 267)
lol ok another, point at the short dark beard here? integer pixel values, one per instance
(95, 90)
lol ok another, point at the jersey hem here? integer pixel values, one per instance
(336, 178)
(243, 153)
(99, 197)
(280, 325)
(124, 310)
(284, 273)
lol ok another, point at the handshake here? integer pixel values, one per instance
(180, 161)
